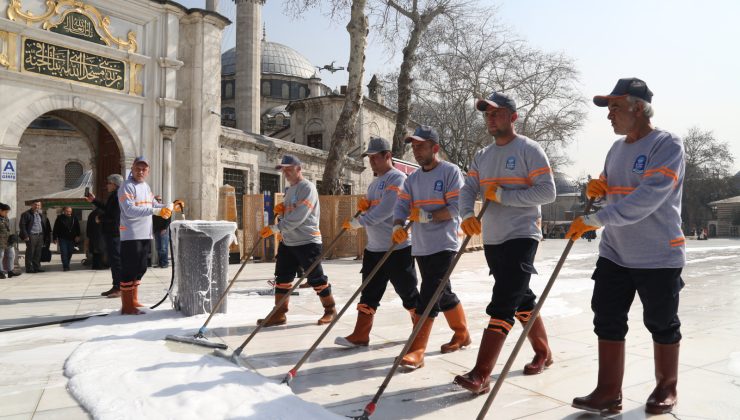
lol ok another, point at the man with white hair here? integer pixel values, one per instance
(642, 248)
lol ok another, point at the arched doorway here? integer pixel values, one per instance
(59, 147)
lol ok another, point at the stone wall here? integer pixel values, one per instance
(41, 162)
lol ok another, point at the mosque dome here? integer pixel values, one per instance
(565, 185)
(277, 59)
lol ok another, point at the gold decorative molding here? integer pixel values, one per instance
(8, 50)
(15, 11)
(135, 85)
(61, 8)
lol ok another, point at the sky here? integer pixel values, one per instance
(684, 50)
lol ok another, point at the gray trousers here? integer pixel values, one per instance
(34, 244)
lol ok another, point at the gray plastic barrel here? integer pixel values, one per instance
(201, 249)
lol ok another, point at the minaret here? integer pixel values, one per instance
(248, 63)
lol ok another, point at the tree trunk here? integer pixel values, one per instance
(344, 134)
(404, 87)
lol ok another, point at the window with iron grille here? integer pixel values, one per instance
(269, 182)
(315, 140)
(72, 174)
(237, 179)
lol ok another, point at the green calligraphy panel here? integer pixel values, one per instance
(79, 66)
(78, 26)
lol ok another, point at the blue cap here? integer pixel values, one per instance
(496, 100)
(377, 145)
(423, 133)
(141, 159)
(288, 160)
(630, 86)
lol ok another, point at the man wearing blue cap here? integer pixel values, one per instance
(642, 248)
(429, 198)
(137, 207)
(514, 175)
(377, 219)
(301, 242)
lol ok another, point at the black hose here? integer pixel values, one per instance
(172, 279)
(47, 323)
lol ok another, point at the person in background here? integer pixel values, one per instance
(96, 242)
(66, 233)
(111, 231)
(35, 230)
(7, 248)
(161, 236)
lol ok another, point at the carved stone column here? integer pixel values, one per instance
(168, 136)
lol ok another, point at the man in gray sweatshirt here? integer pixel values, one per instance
(642, 248)
(514, 174)
(301, 242)
(137, 207)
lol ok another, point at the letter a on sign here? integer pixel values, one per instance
(8, 170)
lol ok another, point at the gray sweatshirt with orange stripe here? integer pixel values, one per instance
(137, 204)
(300, 222)
(522, 171)
(430, 191)
(378, 219)
(643, 214)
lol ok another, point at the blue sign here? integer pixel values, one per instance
(9, 170)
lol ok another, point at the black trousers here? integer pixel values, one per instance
(134, 255)
(511, 264)
(291, 258)
(399, 269)
(433, 268)
(614, 290)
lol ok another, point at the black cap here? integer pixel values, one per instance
(496, 100)
(630, 86)
(423, 133)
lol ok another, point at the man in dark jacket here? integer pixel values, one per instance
(111, 231)
(35, 230)
(66, 234)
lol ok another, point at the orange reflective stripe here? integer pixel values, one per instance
(374, 203)
(307, 203)
(511, 180)
(404, 195)
(493, 323)
(318, 289)
(620, 190)
(541, 171)
(663, 171)
(393, 188)
(283, 285)
(473, 173)
(121, 228)
(136, 203)
(523, 316)
(365, 309)
(418, 203)
(678, 241)
(316, 233)
(452, 194)
(125, 197)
